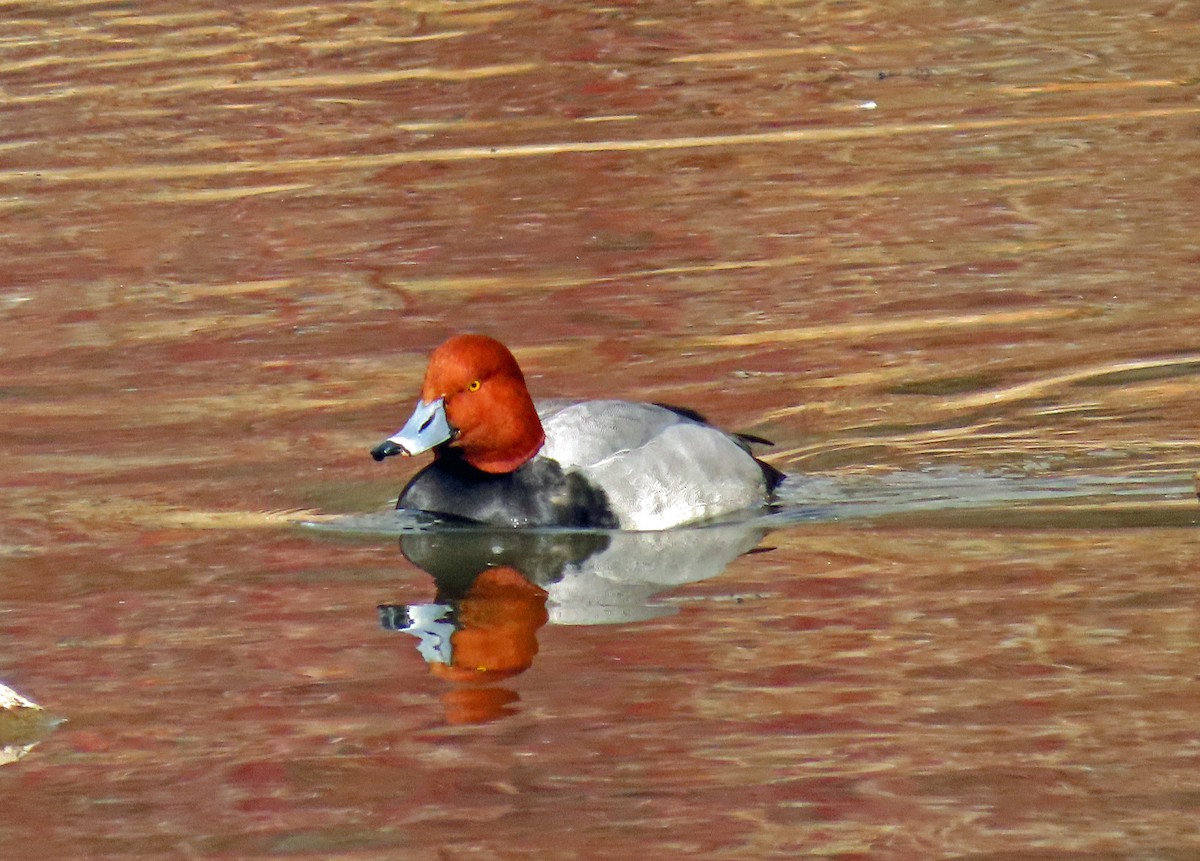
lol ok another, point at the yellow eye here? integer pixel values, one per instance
(474, 386)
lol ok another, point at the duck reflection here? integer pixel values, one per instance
(23, 724)
(497, 588)
(487, 634)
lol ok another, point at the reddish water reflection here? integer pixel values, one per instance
(890, 239)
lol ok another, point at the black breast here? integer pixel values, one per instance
(540, 493)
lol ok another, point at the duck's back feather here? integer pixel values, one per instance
(657, 467)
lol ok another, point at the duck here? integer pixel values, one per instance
(501, 459)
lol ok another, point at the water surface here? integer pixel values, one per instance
(944, 255)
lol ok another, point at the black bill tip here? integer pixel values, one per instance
(394, 617)
(387, 448)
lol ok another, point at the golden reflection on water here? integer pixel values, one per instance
(895, 243)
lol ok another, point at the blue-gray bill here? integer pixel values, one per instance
(426, 427)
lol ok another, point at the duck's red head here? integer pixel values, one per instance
(474, 399)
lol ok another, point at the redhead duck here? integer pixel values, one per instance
(500, 459)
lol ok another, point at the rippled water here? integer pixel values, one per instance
(944, 256)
